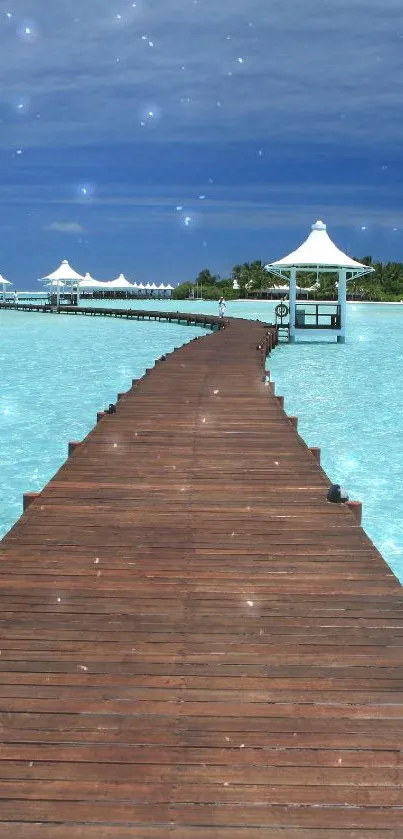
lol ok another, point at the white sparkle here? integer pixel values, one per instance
(250, 602)
(240, 60)
(363, 227)
(9, 15)
(187, 220)
(216, 391)
(28, 32)
(19, 151)
(178, 208)
(202, 197)
(59, 599)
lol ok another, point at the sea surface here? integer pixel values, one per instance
(57, 372)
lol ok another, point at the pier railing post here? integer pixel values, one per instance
(28, 498)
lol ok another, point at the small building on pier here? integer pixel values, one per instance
(64, 276)
(317, 255)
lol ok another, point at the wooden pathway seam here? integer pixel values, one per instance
(194, 643)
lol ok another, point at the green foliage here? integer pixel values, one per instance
(384, 284)
(183, 291)
(211, 292)
(205, 277)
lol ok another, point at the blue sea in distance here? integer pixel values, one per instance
(57, 372)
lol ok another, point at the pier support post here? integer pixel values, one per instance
(73, 445)
(100, 414)
(120, 396)
(356, 509)
(342, 301)
(294, 422)
(28, 498)
(316, 452)
(280, 400)
(293, 302)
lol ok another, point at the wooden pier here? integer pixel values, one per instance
(195, 644)
(187, 318)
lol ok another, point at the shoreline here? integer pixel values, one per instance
(330, 302)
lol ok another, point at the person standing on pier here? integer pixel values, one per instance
(221, 307)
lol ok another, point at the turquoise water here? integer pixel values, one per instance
(56, 373)
(349, 398)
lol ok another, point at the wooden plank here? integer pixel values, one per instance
(194, 643)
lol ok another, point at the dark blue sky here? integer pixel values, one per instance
(158, 138)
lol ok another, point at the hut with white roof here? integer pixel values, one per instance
(4, 283)
(64, 275)
(320, 255)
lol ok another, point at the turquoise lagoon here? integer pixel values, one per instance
(58, 371)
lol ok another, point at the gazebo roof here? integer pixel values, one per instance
(318, 252)
(64, 272)
(90, 282)
(120, 282)
(3, 281)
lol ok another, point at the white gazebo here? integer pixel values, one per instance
(318, 254)
(67, 276)
(4, 283)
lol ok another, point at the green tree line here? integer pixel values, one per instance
(384, 284)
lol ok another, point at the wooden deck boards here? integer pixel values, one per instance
(195, 644)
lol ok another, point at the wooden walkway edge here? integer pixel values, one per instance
(194, 643)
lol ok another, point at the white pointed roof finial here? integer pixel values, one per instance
(319, 225)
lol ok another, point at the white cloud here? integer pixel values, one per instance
(65, 227)
(330, 70)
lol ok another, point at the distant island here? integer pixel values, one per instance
(251, 280)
